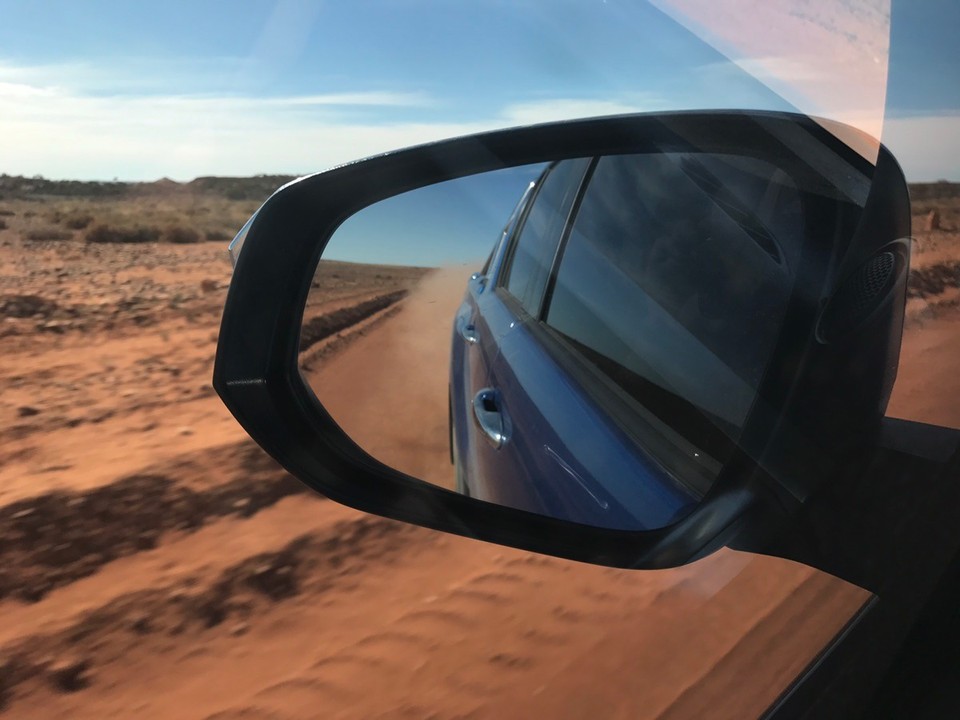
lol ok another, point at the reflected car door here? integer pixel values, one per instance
(473, 347)
(556, 440)
(625, 372)
(488, 476)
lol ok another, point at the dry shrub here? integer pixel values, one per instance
(49, 234)
(3, 224)
(181, 235)
(78, 221)
(217, 236)
(108, 234)
(73, 220)
(7, 213)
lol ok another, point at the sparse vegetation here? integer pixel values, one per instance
(177, 234)
(164, 211)
(108, 234)
(940, 190)
(258, 187)
(216, 236)
(17, 186)
(72, 219)
(49, 234)
(181, 235)
(78, 221)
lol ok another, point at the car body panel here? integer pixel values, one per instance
(556, 429)
(555, 426)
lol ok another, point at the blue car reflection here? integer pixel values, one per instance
(606, 357)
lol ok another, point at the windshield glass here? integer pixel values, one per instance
(156, 563)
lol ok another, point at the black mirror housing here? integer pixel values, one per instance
(840, 337)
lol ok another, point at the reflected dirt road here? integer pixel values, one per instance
(388, 388)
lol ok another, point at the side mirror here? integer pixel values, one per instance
(627, 341)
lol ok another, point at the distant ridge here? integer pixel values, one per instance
(258, 187)
(939, 190)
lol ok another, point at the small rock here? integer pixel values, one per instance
(140, 623)
(185, 431)
(178, 594)
(7, 667)
(56, 326)
(34, 592)
(27, 411)
(275, 581)
(209, 285)
(239, 629)
(69, 674)
(145, 541)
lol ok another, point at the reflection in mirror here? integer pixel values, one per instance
(375, 341)
(583, 340)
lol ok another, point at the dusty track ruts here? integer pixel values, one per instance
(310, 563)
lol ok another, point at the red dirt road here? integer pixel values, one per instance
(155, 564)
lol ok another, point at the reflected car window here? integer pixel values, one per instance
(674, 280)
(534, 249)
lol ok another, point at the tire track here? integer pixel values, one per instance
(53, 539)
(448, 626)
(933, 280)
(312, 564)
(320, 327)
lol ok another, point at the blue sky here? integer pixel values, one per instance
(452, 223)
(140, 91)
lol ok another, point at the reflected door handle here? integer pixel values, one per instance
(467, 331)
(480, 280)
(490, 417)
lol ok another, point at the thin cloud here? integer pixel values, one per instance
(61, 132)
(58, 121)
(571, 108)
(132, 75)
(373, 99)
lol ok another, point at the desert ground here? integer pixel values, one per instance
(155, 563)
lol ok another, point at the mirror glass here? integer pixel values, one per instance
(583, 339)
